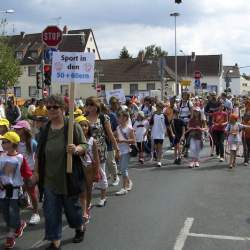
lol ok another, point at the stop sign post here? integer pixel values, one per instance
(52, 36)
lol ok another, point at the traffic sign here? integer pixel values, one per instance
(48, 55)
(197, 74)
(197, 84)
(52, 36)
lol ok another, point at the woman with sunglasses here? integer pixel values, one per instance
(101, 130)
(51, 171)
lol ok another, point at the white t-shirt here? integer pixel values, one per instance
(140, 128)
(159, 127)
(123, 134)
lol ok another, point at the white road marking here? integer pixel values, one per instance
(181, 239)
(43, 242)
(219, 237)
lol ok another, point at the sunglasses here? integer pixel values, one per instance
(5, 142)
(55, 107)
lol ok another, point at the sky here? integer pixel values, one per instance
(205, 27)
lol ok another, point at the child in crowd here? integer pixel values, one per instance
(4, 127)
(159, 123)
(125, 136)
(246, 138)
(178, 128)
(195, 125)
(91, 164)
(27, 147)
(14, 169)
(141, 127)
(233, 130)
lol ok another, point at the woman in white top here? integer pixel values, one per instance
(125, 136)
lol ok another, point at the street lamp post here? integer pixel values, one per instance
(4, 20)
(175, 14)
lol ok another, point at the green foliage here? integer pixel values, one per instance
(124, 53)
(154, 52)
(9, 66)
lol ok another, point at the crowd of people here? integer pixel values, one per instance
(34, 149)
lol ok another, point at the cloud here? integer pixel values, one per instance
(204, 26)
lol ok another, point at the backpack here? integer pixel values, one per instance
(151, 122)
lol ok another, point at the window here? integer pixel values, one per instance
(64, 89)
(19, 55)
(34, 54)
(133, 88)
(93, 50)
(32, 91)
(150, 86)
(91, 39)
(17, 91)
(31, 70)
(88, 49)
(117, 86)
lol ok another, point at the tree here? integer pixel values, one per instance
(154, 52)
(9, 66)
(124, 53)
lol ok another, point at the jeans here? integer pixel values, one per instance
(219, 138)
(246, 145)
(11, 212)
(124, 160)
(53, 206)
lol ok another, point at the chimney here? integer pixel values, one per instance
(22, 33)
(193, 57)
(65, 29)
(141, 56)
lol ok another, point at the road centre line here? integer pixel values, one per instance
(182, 237)
(219, 237)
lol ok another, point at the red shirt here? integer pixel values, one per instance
(219, 118)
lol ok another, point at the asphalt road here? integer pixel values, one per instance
(152, 216)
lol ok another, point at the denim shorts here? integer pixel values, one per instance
(123, 164)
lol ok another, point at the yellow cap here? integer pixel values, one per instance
(78, 112)
(11, 136)
(4, 122)
(80, 119)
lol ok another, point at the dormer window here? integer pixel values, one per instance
(19, 55)
(34, 54)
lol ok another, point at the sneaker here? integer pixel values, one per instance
(178, 161)
(245, 163)
(79, 236)
(130, 186)
(19, 231)
(158, 164)
(9, 243)
(211, 154)
(191, 164)
(35, 219)
(222, 159)
(196, 164)
(217, 157)
(102, 202)
(123, 191)
(116, 181)
(141, 160)
(53, 247)
(175, 161)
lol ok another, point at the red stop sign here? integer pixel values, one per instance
(52, 36)
(197, 74)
